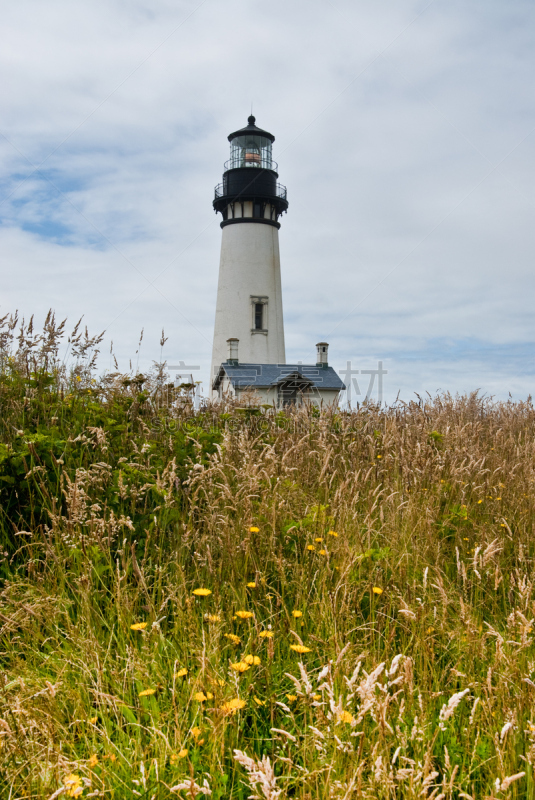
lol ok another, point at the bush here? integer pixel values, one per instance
(365, 628)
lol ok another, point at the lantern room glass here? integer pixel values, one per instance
(250, 151)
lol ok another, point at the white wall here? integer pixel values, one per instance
(249, 266)
(325, 397)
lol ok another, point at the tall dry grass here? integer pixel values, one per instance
(367, 624)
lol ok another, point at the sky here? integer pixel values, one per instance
(405, 133)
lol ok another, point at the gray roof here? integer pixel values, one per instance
(263, 376)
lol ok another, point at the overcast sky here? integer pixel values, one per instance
(405, 134)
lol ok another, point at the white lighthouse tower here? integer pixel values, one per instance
(248, 353)
(249, 297)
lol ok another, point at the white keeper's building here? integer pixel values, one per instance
(248, 351)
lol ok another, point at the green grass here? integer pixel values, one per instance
(118, 501)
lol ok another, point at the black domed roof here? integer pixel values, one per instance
(251, 129)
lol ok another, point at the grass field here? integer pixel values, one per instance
(246, 602)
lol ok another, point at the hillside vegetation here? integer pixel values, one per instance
(241, 602)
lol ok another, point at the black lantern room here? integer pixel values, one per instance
(250, 179)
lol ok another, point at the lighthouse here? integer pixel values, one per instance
(248, 349)
(249, 296)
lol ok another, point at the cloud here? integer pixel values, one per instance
(404, 134)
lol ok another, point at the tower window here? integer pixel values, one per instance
(258, 316)
(257, 210)
(259, 321)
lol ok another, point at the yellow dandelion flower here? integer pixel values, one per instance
(73, 785)
(93, 761)
(240, 666)
(430, 630)
(254, 529)
(318, 539)
(316, 697)
(479, 502)
(259, 702)
(296, 613)
(181, 672)
(92, 720)
(202, 592)
(323, 552)
(251, 585)
(291, 698)
(377, 590)
(147, 692)
(266, 634)
(200, 697)
(332, 533)
(182, 753)
(252, 660)
(195, 732)
(310, 547)
(209, 696)
(345, 716)
(233, 706)
(379, 456)
(138, 626)
(233, 638)
(300, 648)
(244, 614)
